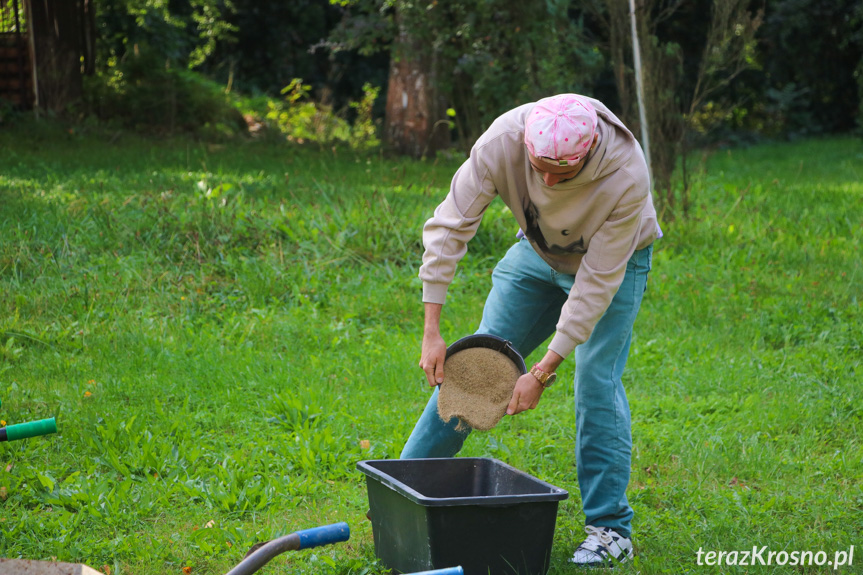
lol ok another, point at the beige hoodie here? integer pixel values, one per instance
(588, 226)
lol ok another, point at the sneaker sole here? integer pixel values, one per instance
(610, 565)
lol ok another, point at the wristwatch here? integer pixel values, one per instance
(545, 379)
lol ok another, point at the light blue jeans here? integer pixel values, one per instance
(523, 307)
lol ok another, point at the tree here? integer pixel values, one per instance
(62, 38)
(809, 50)
(682, 78)
(415, 123)
(479, 58)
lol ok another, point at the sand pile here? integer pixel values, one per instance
(477, 387)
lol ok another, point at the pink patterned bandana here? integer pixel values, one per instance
(560, 129)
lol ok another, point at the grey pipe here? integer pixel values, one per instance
(264, 554)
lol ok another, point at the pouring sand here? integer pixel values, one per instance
(477, 387)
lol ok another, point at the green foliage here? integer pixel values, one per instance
(517, 52)
(184, 33)
(807, 85)
(212, 26)
(219, 330)
(10, 18)
(493, 55)
(145, 92)
(489, 56)
(301, 119)
(8, 112)
(364, 128)
(10, 352)
(277, 41)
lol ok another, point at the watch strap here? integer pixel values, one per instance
(545, 378)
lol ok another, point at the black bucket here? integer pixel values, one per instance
(491, 342)
(482, 514)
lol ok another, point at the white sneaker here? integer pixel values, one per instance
(603, 547)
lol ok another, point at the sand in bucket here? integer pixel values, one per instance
(477, 387)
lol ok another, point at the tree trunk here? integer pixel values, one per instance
(415, 122)
(57, 36)
(87, 15)
(619, 44)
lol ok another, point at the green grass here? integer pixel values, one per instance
(217, 328)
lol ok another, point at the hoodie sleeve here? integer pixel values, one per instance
(454, 223)
(601, 272)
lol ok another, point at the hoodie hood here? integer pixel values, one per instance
(612, 151)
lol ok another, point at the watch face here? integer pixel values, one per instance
(550, 379)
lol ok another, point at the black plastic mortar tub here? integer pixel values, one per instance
(482, 514)
(491, 342)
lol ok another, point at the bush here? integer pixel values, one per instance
(7, 111)
(301, 119)
(142, 92)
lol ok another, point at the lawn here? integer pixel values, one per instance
(223, 331)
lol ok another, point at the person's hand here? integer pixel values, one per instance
(432, 359)
(526, 394)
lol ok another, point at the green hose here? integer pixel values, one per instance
(30, 429)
